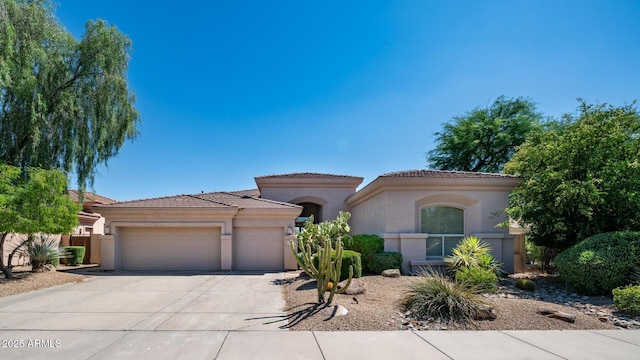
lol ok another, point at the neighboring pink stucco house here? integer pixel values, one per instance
(419, 213)
(89, 222)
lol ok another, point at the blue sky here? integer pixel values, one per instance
(229, 90)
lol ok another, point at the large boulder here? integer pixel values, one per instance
(394, 273)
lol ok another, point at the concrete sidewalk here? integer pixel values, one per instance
(144, 344)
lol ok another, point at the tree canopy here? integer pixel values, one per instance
(580, 177)
(64, 103)
(484, 139)
(37, 203)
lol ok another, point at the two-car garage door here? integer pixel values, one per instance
(149, 248)
(152, 248)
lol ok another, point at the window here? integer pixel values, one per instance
(445, 226)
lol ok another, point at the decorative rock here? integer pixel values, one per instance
(355, 288)
(486, 312)
(394, 273)
(557, 315)
(335, 310)
(48, 267)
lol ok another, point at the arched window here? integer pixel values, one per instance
(445, 226)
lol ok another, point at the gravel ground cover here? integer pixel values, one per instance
(379, 308)
(26, 281)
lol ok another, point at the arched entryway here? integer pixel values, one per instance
(308, 209)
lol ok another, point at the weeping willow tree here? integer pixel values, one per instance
(64, 103)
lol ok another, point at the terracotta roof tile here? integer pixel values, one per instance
(443, 174)
(249, 192)
(177, 201)
(89, 196)
(205, 200)
(242, 201)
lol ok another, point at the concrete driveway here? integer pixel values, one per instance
(122, 309)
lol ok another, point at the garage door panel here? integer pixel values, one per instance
(259, 248)
(170, 248)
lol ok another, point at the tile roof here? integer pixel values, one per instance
(307, 175)
(443, 174)
(89, 196)
(249, 192)
(242, 202)
(219, 200)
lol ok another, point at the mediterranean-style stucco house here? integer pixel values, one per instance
(419, 213)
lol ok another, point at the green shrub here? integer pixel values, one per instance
(526, 284)
(75, 255)
(599, 264)
(349, 258)
(483, 279)
(54, 261)
(385, 260)
(436, 296)
(627, 299)
(368, 246)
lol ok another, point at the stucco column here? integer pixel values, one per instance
(290, 262)
(107, 252)
(226, 252)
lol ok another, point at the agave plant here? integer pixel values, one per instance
(41, 251)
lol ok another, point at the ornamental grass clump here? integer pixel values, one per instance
(436, 296)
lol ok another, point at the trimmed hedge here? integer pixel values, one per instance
(368, 246)
(599, 264)
(75, 255)
(349, 257)
(384, 261)
(627, 299)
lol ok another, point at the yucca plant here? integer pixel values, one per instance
(437, 296)
(41, 251)
(468, 253)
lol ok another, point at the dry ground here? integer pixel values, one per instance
(26, 281)
(379, 308)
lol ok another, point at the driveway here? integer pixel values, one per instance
(125, 308)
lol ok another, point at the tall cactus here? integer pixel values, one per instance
(322, 240)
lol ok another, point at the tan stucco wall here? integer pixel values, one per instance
(369, 217)
(332, 199)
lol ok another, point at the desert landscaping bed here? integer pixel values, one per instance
(26, 281)
(379, 308)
